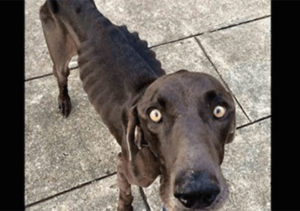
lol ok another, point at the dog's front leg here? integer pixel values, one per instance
(125, 196)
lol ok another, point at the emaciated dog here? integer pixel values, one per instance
(172, 125)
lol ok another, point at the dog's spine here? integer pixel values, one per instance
(141, 46)
(132, 39)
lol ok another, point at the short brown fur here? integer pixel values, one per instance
(124, 81)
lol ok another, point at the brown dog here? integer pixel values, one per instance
(172, 125)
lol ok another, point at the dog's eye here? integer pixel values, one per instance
(155, 115)
(219, 111)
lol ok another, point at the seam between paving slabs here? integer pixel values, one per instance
(141, 192)
(46, 75)
(204, 51)
(144, 198)
(241, 23)
(69, 190)
(256, 121)
(212, 31)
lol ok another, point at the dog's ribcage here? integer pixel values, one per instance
(111, 60)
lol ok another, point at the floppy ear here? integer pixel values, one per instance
(134, 137)
(231, 133)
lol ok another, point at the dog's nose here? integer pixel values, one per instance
(197, 191)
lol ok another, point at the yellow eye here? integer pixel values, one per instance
(155, 115)
(219, 111)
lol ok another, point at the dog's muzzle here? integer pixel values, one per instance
(196, 191)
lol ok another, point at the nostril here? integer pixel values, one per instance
(208, 199)
(196, 200)
(186, 199)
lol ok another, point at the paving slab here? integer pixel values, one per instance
(37, 58)
(187, 54)
(246, 167)
(156, 21)
(101, 195)
(242, 56)
(159, 21)
(63, 153)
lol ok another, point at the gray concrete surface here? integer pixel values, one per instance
(70, 163)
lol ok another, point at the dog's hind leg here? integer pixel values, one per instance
(62, 48)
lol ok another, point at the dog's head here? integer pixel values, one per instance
(186, 118)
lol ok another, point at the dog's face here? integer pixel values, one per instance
(186, 118)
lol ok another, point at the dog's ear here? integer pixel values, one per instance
(134, 137)
(232, 129)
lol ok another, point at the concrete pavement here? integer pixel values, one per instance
(70, 164)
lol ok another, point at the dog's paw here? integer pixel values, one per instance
(64, 105)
